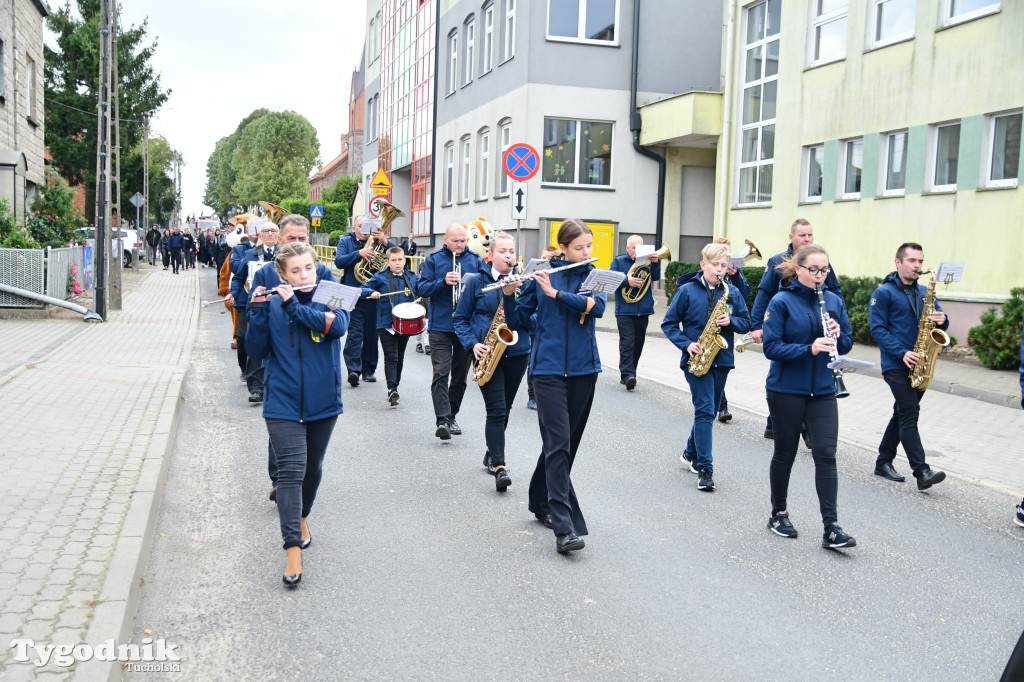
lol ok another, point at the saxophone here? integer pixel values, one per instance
(929, 340)
(499, 337)
(711, 340)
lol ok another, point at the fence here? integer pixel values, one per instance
(41, 272)
(325, 254)
(58, 264)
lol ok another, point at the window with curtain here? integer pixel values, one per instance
(577, 152)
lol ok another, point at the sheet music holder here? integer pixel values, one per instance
(643, 251)
(602, 281)
(336, 296)
(851, 365)
(536, 264)
(737, 262)
(949, 272)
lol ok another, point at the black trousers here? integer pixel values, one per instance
(902, 427)
(499, 395)
(563, 406)
(243, 358)
(821, 415)
(175, 259)
(448, 358)
(529, 372)
(393, 345)
(632, 332)
(360, 350)
(300, 449)
(165, 255)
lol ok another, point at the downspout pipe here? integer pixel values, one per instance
(635, 125)
(433, 127)
(90, 316)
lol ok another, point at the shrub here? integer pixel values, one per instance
(335, 236)
(996, 341)
(54, 220)
(676, 268)
(335, 215)
(857, 293)
(12, 236)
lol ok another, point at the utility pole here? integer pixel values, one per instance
(145, 168)
(116, 270)
(101, 255)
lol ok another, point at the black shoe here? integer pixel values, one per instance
(419, 347)
(724, 415)
(692, 463)
(370, 378)
(255, 397)
(806, 435)
(835, 538)
(928, 478)
(630, 383)
(545, 519)
(568, 542)
(442, 431)
(273, 494)
(769, 433)
(487, 463)
(353, 378)
(704, 480)
(305, 543)
(531, 404)
(501, 479)
(781, 525)
(886, 470)
(291, 579)
(453, 428)
(1019, 518)
(393, 397)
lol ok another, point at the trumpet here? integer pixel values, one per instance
(744, 341)
(457, 287)
(517, 279)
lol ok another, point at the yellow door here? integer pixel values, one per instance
(604, 241)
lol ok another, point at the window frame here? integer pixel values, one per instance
(844, 168)
(487, 44)
(3, 70)
(946, 17)
(465, 168)
(453, 62)
(483, 171)
(30, 87)
(873, 42)
(759, 164)
(508, 32)
(988, 149)
(504, 187)
(815, 23)
(448, 198)
(805, 174)
(576, 184)
(932, 166)
(469, 31)
(883, 163)
(581, 24)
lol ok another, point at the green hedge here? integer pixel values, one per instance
(335, 214)
(996, 341)
(676, 268)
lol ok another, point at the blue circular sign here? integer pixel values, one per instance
(520, 161)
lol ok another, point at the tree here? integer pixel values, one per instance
(71, 76)
(273, 158)
(220, 176)
(161, 179)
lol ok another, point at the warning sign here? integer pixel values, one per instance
(315, 222)
(381, 185)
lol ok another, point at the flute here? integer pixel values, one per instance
(268, 292)
(516, 279)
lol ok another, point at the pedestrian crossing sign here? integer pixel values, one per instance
(316, 211)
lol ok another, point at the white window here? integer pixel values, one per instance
(453, 61)
(505, 139)
(893, 164)
(814, 159)
(449, 173)
(464, 176)
(852, 165)
(756, 149)
(484, 167)
(371, 35)
(487, 47)
(827, 41)
(509, 37)
(30, 86)
(943, 156)
(955, 11)
(3, 71)
(890, 21)
(376, 38)
(1001, 162)
(470, 30)
(577, 152)
(588, 21)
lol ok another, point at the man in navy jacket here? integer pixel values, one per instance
(895, 313)
(438, 281)
(632, 318)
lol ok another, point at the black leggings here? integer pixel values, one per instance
(499, 394)
(821, 415)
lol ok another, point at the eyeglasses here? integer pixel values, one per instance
(814, 270)
(269, 231)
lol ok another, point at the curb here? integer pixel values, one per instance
(119, 597)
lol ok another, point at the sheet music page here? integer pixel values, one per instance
(602, 281)
(736, 261)
(536, 264)
(852, 365)
(253, 267)
(337, 296)
(949, 272)
(643, 251)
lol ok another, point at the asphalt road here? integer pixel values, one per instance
(420, 570)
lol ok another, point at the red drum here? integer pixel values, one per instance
(408, 318)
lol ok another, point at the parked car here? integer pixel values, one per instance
(129, 241)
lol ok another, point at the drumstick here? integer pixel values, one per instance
(395, 293)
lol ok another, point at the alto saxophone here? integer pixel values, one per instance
(711, 340)
(499, 337)
(929, 340)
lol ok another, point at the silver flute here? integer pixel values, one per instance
(516, 279)
(837, 374)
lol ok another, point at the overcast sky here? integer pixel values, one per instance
(224, 58)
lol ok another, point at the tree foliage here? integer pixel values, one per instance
(71, 75)
(996, 341)
(161, 180)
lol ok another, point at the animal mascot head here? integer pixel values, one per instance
(479, 233)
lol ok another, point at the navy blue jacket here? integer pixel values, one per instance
(895, 313)
(562, 346)
(690, 308)
(771, 283)
(435, 266)
(739, 282)
(476, 311)
(238, 283)
(302, 365)
(791, 324)
(386, 282)
(645, 306)
(175, 242)
(1022, 373)
(347, 255)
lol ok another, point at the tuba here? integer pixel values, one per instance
(929, 340)
(749, 252)
(366, 269)
(643, 271)
(711, 340)
(273, 212)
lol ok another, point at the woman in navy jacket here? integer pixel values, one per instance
(565, 367)
(801, 387)
(392, 278)
(299, 343)
(473, 318)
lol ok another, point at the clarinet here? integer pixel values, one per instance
(837, 374)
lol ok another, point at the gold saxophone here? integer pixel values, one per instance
(499, 337)
(929, 340)
(711, 340)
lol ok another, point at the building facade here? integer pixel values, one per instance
(21, 102)
(350, 161)
(881, 122)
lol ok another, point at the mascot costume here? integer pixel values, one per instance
(479, 232)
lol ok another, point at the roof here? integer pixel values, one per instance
(332, 165)
(41, 6)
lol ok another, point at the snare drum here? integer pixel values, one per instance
(408, 318)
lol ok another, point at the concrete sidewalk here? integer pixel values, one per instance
(88, 412)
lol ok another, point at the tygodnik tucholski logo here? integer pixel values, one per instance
(151, 655)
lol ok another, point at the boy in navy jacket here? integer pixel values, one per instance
(391, 279)
(695, 299)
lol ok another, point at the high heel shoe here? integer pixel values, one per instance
(305, 543)
(291, 579)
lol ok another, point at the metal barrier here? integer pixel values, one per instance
(326, 254)
(58, 264)
(22, 269)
